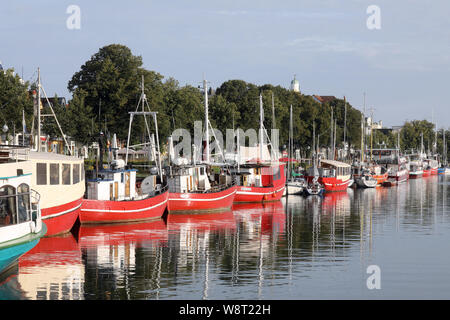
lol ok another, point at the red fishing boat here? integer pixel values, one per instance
(115, 198)
(333, 175)
(113, 195)
(260, 176)
(199, 188)
(260, 183)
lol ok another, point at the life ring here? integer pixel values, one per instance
(265, 197)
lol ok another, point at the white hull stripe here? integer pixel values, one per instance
(191, 199)
(126, 211)
(60, 213)
(260, 193)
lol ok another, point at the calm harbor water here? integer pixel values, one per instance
(299, 248)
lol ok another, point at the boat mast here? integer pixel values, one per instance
(261, 127)
(345, 122)
(39, 112)
(205, 89)
(331, 134)
(290, 142)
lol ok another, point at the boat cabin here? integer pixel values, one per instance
(19, 204)
(184, 179)
(334, 169)
(257, 176)
(113, 185)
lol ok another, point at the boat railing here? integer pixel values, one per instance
(35, 208)
(13, 152)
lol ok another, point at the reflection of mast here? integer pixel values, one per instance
(206, 284)
(260, 264)
(235, 267)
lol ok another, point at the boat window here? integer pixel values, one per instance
(276, 173)
(202, 171)
(23, 202)
(7, 206)
(66, 173)
(76, 173)
(54, 173)
(41, 173)
(82, 172)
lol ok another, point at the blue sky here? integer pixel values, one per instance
(403, 67)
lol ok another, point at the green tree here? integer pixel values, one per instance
(14, 99)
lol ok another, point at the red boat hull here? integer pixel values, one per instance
(60, 219)
(333, 184)
(99, 211)
(426, 173)
(259, 194)
(434, 171)
(210, 201)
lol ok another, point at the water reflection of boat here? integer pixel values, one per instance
(338, 201)
(115, 234)
(202, 222)
(271, 215)
(53, 270)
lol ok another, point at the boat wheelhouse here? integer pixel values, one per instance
(59, 179)
(21, 225)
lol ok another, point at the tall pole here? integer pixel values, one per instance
(334, 140)
(39, 112)
(290, 142)
(345, 121)
(371, 130)
(331, 131)
(273, 113)
(205, 88)
(362, 138)
(261, 127)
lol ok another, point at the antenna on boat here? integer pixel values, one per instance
(40, 87)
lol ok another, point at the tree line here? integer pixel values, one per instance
(108, 86)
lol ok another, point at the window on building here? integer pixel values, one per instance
(66, 173)
(41, 173)
(54, 173)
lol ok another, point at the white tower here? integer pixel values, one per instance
(295, 85)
